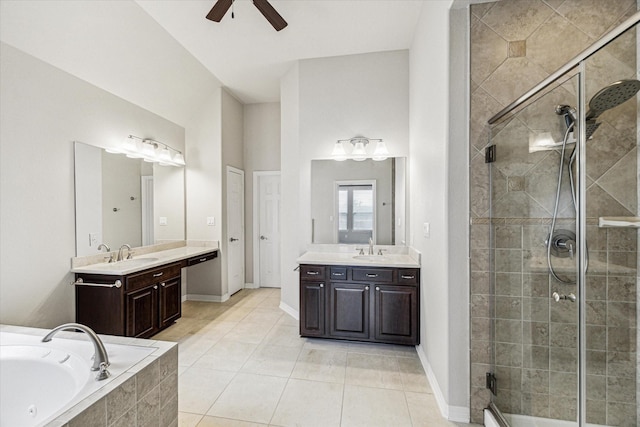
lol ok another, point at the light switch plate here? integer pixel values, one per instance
(426, 230)
(162, 220)
(93, 239)
(211, 220)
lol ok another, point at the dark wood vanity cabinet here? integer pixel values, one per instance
(360, 303)
(145, 303)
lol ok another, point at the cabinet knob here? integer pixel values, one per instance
(155, 287)
(322, 285)
(163, 284)
(377, 288)
(366, 288)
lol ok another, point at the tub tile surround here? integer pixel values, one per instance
(145, 394)
(536, 340)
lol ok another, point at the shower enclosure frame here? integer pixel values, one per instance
(573, 68)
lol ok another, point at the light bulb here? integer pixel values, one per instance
(381, 152)
(338, 152)
(359, 154)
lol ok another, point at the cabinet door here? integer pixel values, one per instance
(142, 312)
(312, 309)
(349, 310)
(396, 314)
(170, 301)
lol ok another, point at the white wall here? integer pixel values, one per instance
(324, 100)
(42, 111)
(88, 188)
(203, 155)
(437, 196)
(291, 243)
(169, 202)
(261, 153)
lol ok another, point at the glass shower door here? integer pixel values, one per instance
(533, 255)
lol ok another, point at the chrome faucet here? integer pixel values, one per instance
(120, 252)
(107, 250)
(100, 357)
(370, 245)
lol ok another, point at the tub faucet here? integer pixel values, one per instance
(370, 245)
(120, 252)
(100, 358)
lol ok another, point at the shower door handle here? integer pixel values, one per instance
(557, 297)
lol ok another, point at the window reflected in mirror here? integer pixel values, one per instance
(356, 215)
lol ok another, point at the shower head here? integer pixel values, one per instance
(612, 96)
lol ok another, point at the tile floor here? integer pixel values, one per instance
(243, 363)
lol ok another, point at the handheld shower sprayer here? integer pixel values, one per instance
(569, 114)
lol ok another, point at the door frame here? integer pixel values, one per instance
(244, 231)
(256, 223)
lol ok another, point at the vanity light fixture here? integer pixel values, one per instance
(359, 151)
(150, 150)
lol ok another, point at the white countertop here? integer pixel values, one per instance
(352, 259)
(143, 262)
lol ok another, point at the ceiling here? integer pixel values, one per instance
(163, 55)
(249, 56)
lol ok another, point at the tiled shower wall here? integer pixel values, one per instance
(515, 44)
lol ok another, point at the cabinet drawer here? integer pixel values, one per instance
(408, 276)
(376, 275)
(338, 273)
(311, 272)
(155, 275)
(202, 258)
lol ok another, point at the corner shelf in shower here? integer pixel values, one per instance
(619, 221)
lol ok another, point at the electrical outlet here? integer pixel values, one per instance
(93, 239)
(162, 220)
(426, 230)
(211, 221)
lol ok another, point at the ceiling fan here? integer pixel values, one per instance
(222, 6)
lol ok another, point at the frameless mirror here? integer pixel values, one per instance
(120, 200)
(353, 201)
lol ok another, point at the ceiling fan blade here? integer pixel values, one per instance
(270, 13)
(218, 10)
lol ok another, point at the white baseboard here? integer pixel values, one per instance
(207, 298)
(289, 310)
(251, 286)
(458, 414)
(184, 298)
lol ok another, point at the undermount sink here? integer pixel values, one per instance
(134, 262)
(370, 257)
(128, 263)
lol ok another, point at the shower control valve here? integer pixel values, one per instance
(557, 297)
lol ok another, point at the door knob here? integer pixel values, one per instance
(263, 238)
(233, 239)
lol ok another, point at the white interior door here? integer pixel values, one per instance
(235, 229)
(269, 230)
